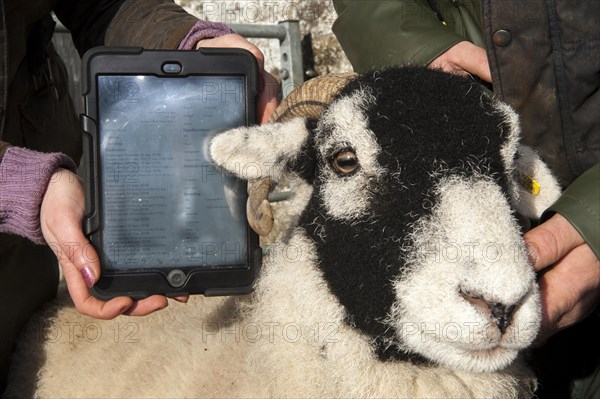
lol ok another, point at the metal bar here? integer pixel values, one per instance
(247, 30)
(292, 69)
(260, 31)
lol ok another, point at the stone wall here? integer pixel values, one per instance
(316, 18)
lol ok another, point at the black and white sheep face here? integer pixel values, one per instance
(485, 307)
(413, 177)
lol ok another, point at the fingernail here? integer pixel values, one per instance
(532, 255)
(88, 276)
(126, 308)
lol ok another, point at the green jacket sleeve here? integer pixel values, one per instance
(380, 33)
(580, 205)
(149, 24)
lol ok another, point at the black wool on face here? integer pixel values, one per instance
(304, 163)
(425, 121)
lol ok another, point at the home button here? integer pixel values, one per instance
(176, 278)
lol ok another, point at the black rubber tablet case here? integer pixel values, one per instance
(135, 61)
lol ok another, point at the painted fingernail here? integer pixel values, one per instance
(88, 276)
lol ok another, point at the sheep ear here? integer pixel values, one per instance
(259, 154)
(260, 151)
(537, 188)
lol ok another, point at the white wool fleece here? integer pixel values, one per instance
(289, 339)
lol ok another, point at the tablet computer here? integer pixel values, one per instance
(161, 216)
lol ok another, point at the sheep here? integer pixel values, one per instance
(402, 273)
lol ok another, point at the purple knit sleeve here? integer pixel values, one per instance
(24, 176)
(203, 30)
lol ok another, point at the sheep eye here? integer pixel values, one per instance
(345, 162)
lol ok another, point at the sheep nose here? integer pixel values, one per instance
(499, 313)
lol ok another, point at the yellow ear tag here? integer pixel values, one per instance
(535, 187)
(531, 184)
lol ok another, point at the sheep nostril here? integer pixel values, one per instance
(502, 315)
(499, 313)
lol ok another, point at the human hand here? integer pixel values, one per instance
(61, 216)
(269, 87)
(570, 274)
(464, 58)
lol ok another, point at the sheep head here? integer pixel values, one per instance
(415, 179)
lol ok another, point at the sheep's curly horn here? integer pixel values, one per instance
(309, 99)
(258, 209)
(306, 101)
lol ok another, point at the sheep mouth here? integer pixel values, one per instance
(478, 358)
(492, 359)
(482, 359)
(495, 351)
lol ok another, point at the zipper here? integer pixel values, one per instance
(436, 10)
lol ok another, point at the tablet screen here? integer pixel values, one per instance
(165, 204)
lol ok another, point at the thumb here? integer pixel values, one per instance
(81, 268)
(60, 219)
(550, 241)
(76, 254)
(476, 62)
